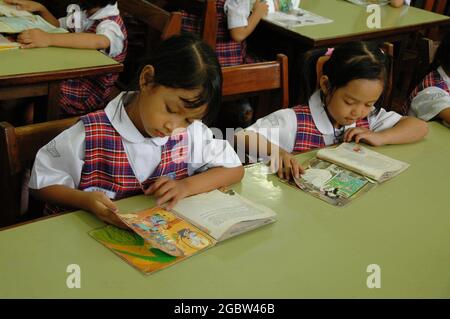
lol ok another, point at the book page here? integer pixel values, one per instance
(8, 10)
(287, 14)
(331, 183)
(217, 212)
(363, 160)
(167, 232)
(133, 249)
(20, 24)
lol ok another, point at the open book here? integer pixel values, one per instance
(162, 238)
(8, 10)
(16, 21)
(367, 2)
(338, 175)
(287, 14)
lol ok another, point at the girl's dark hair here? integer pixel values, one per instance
(186, 62)
(349, 61)
(442, 57)
(90, 4)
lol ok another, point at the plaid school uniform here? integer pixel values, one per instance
(308, 136)
(432, 79)
(84, 95)
(106, 167)
(228, 51)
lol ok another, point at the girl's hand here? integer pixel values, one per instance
(359, 134)
(34, 38)
(285, 164)
(104, 208)
(168, 190)
(26, 5)
(260, 8)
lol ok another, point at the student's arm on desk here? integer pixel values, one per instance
(257, 144)
(407, 130)
(34, 7)
(445, 115)
(94, 202)
(260, 10)
(36, 38)
(171, 191)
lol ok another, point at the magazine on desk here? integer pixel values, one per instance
(161, 238)
(368, 2)
(8, 43)
(287, 14)
(341, 174)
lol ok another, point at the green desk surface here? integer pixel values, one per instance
(351, 20)
(46, 60)
(313, 250)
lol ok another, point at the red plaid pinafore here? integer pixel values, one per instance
(228, 51)
(106, 166)
(84, 95)
(432, 79)
(308, 136)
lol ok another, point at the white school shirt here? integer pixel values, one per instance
(60, 162)
(280, 127)
(431, 101)
(108, 28)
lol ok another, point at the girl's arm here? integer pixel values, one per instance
(445, 115)
(94, 202)
(260, 10)
(257, 145)
(35, 7)
(407, 130)
(36, 38)
(170, 191)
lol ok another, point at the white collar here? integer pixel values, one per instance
(444, 75)
(107, 11)
(125, 127)
(320, 116)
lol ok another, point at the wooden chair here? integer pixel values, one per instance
(18, 148)
(204, 9)
(261, 80)
(147, 25)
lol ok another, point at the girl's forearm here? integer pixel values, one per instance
(61, 196)
(213, 178)
(407, 130)
(445, 115)
(254, 143)
(79, 40)
(241, 33)
(48, 16)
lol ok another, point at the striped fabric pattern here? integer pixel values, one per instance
(84, 95)
(228, 51)
(432, 79)
(106, 165)
(308, 136)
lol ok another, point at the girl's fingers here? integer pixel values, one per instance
(287, 168)
(109, 204)
(164, 188)
(173, 202)
(160, 181)
(295, 168)
(167, 196)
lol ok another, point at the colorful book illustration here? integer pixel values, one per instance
(161, 238)
(18, 24)
(286, 13)
(341, 174)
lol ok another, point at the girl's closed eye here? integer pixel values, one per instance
(169, 110)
